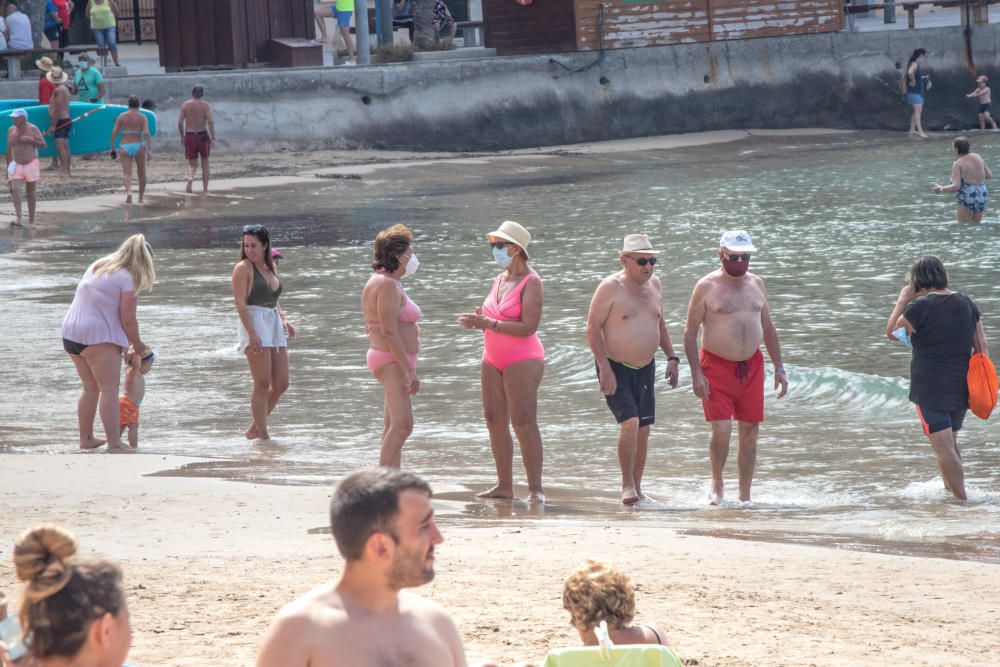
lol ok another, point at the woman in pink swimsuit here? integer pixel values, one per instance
(513, 361)
(391, 326)
(99, 326)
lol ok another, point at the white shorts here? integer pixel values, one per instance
(267, 325)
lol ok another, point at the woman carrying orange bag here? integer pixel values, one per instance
(945, 329)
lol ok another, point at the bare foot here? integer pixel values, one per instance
(251, 433)
(190, 186)
(497, 492)
(716, 494)
(121, 447)
(128, 200)
(535, 497)
(91, 443)
(629, 495)
(17, 223)
(140, 200)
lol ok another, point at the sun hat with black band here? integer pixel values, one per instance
(44, 63)
(514, 233)
(637, 244)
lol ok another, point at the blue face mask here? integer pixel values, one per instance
(502, 257)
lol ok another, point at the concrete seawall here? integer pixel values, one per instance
(840, 80)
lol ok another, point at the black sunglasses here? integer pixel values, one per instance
(253, 229)
(499, 245)
(743, 257)
(643, 261)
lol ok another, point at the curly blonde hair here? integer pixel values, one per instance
(597, 592)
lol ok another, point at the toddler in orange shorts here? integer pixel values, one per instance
(135, 391)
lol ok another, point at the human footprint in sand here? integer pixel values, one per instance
(729, 307)
(625, 326)
(262, 331)
(100, 324)
(383, 523)
(513, 361)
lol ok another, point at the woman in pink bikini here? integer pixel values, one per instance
(391, 326)
(513, 361)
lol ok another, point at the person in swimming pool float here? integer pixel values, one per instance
(625, 326)
(968, 182)
(513, 361)
(394, 336)
(134, 129)
(263, 334)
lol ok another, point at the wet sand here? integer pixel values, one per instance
(208, 562)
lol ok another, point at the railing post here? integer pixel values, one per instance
(362, 41)
(889, 11)
(137, 20)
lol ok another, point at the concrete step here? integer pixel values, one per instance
(455, 54)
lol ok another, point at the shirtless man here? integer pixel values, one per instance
(968, 181)
(197, 130)
(59, 120)
(729, 305)
(982, 92)
(23, 142)
(383, 524)
(625, 325)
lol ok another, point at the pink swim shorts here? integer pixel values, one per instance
(30, 172)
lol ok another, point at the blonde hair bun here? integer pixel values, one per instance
(40, 559)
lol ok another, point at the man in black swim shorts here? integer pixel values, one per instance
(625, 326)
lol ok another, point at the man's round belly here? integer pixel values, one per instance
(735, 343)
(632, 346)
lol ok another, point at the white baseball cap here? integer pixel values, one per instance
(18, 113)
(737, 240)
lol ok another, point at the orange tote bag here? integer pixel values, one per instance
(982, 380)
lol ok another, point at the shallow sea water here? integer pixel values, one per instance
(838, 219)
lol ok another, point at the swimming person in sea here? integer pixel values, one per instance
(915, 89)
(513, 361)
(134, 392)
(262, 332)
(625, 327)
(134, 129)
(944, 328)
(394, 336)
(968, 181)
(983, 96)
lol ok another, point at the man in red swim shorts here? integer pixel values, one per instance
(197, 131)
(729, 306)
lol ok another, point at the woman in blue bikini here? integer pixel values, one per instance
(968, 182)
(135, 147)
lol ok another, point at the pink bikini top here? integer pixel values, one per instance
(509, 309)
(409, 313)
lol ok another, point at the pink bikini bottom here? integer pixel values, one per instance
(379, 358)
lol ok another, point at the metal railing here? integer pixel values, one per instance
(971, 11)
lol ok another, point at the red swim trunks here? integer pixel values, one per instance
(197, 143)
(129, 412)
(735, 388)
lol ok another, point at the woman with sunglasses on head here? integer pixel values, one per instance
(394, 336)
(262, 332)
(99, 326)
(513, 361)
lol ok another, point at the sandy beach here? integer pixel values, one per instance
(208, 562)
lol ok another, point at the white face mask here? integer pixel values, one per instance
(412, 265)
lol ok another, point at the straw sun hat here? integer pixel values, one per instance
(57, 76)
(44, 63)
(512, 233)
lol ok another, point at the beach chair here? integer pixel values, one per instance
(606, 654)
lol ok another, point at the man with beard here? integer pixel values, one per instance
(625, 326)
(383, 524)
(729, 305)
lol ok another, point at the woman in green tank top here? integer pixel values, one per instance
(103, 17)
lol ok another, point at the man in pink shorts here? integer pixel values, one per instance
(23, 142)
(729, 306)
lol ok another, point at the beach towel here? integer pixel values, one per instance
(606, 654)
(982, 380)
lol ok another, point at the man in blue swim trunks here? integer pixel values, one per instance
(968, 181)
(340, 11)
